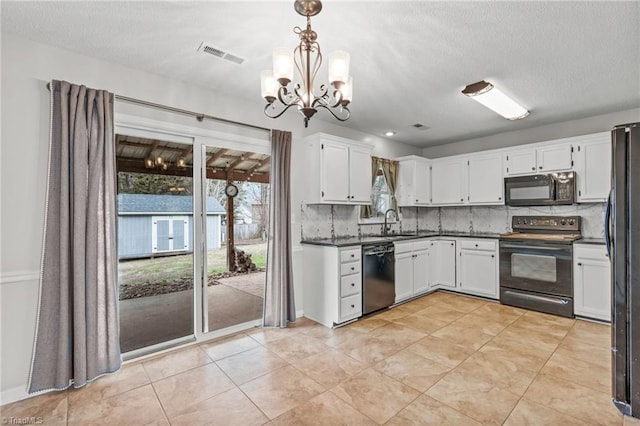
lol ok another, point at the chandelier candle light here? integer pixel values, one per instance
(307, 59)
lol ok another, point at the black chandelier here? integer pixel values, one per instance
(307, 59)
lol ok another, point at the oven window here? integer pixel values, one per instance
(535, 267)
(529, 193)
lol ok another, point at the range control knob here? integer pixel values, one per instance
(572, 222)
(517, 221)
(524, 221)
(563, 222)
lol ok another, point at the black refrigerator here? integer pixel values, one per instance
(622, 232)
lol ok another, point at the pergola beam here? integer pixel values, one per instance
(216, 156)
(134, 166)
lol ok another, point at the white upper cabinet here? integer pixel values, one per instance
(448, 182)
(414, 182)
(521, 162)
(485, 181)
(593, 168)
(553, 158)
(360, 175)
(334, 161)
(338, 170)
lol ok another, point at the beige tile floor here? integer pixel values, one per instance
(442, 359)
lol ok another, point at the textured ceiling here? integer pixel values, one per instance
(409, 60)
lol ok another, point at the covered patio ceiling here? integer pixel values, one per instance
(141, 155)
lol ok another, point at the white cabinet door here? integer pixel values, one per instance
(359, 175)
(405, 191)
(448, 262)
(592, 282)
(477, 273)
(448, 180)
(423, 183)
(555, 158)
(486, 184)
(404, 276)
(335, 172)
(442, 264)
(420, 271)
(520, 162)
(414, 183)
(593, 171)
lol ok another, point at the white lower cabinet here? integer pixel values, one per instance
(411, 268)
(332, 292)
(477, 267)
(442, 264)
(591, 282)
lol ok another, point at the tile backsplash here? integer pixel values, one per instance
(336, 221)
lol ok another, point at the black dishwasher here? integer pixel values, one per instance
(378, 282)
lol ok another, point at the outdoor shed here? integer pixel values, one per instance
(153, 225)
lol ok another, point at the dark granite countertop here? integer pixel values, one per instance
(355, 241)
(590, 241)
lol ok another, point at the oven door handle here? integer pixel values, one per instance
(525, 246)
(539, 298)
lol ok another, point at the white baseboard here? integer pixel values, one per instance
(299, 313)
(14, 394)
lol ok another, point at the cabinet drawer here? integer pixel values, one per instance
(350, 268)
(421, 245)
(350, 255)
(478, 245)
(351, 284)
(402, 247)
(350, 307)
(590, 251)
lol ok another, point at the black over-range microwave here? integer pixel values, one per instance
(540, 190)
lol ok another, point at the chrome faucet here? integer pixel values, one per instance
(385, 229)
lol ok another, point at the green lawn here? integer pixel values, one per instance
(174, 267)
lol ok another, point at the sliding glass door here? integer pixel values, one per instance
(192, 218)
(155, 241)
(235, 193)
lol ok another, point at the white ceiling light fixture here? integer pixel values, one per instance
(389, 133)
(307, 60)
(494, 99)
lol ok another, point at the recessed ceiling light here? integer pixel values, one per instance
(389, 133)
(494, 99)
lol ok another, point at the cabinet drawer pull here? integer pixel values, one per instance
(579, 263)
(533, 168)
(353, 306)
(540, 167)
(353, 284)
(493, 255)
(353, 268)
(476, 245)
(353, 255)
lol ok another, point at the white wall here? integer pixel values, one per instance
(26, 68)
(585, 126)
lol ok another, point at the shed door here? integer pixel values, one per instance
(170, 233)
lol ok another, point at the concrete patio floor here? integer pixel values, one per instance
(146, 321)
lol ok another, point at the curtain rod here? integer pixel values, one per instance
(198, 116)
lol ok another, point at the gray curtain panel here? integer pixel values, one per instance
(77, 329)
(279, 303)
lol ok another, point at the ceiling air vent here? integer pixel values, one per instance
(208, 48)
(420, 126)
